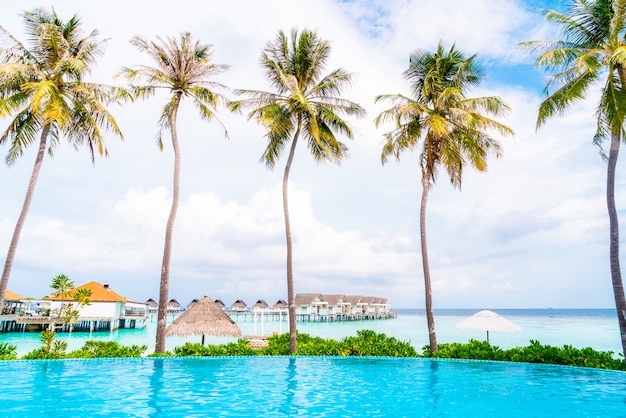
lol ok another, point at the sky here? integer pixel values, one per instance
(531, 232)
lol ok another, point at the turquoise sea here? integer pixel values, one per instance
(595, 328)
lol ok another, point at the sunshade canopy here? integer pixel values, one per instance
(488, 321)
(204, 318)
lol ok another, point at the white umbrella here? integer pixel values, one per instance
(488, 321)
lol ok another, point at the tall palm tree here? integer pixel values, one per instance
(448, 129)
(42, 88)
(183, 68)
(593, 49)
(305, 103)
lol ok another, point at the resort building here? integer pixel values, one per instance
(260, 305)
(174, 307)
(193, 302)
(280, 305)
(239, 306)
(152, 305)
(107, 310)
(12, 302)
(319, 307)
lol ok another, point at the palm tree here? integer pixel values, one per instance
(184, 68)
(64, 289)
(592, 49)
(305, 102)
(449, 130)
(42, 88)
(62, 286)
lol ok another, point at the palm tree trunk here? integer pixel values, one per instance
(428, 291)
(616, 275)
(8, 264)
(169, 230)
(291, 297)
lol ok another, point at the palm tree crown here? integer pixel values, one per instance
(305, 102)
(42, 84)
(448, 129)
(184, 68)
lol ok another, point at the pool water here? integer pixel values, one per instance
(305, 386)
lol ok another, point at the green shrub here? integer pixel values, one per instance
(102, 349)
(8, 351)
(369, 343)
(366, 343)
(476, 350)
(51, 348)
(533, 353)
(240, 348)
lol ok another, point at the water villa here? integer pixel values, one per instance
(316, 307)
(108, 311)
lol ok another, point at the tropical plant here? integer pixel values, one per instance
(42, 88)
(69, 313)
(533, 353)
(592, 50)
(184, 68)
(305, 103)
(51, 348)
(8, 351)
(103, 349)
(365, 343)
(448, 129)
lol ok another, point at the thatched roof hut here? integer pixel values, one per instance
(151, 302)
(204, 318)
(219, 303)
(260, 304)
(281, 304)
(239, 305)
(193, 302)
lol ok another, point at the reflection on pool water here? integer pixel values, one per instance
(305, 386)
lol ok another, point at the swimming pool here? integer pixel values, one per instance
(305, 386)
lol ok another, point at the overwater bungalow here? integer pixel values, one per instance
(239, 306)
(260, 305)
(337, 305)
(152, 305)
(193, 302)
(310, 306)
(280, 305)
(174, 307)
(356, 304)
(319, 307)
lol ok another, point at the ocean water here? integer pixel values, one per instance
(595, 328)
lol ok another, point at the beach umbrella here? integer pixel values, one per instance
(205, 317)
(487, 321)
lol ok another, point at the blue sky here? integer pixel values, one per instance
(531, 232)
